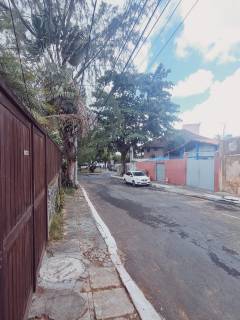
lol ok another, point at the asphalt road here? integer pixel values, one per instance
(183, 252)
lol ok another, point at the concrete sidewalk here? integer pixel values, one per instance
(194, 192)
(77, 279)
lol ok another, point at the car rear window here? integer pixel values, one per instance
(138, 173)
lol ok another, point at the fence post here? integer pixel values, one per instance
(34, 276)
(46, 186)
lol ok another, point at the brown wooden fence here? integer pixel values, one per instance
(29, 160)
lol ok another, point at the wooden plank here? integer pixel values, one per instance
(25, 166)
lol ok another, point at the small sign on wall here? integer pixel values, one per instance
(26, 152)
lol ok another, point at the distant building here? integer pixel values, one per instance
(154, 149)
(194, 146)
(183, 143)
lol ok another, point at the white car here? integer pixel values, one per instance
(136, 178)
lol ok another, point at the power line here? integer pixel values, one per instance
(151, 30)
(140, 38)
(134, 49)
(89, 38)
(127, 39)
(129, 34)
(19, 55)
(174, 32)
(95, 56)
(165, 25)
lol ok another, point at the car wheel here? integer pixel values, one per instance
(133, 183)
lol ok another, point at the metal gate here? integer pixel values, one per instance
(200, 173)
(161, 172)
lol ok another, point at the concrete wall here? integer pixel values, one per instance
(149, 167)
(175, 171)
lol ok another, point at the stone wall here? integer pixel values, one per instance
(231, 174)
(230, 156)
(53, 191)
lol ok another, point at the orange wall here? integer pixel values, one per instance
(149, 167)
(175, 171)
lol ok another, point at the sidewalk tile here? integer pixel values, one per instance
(112, 303)
(103, 278)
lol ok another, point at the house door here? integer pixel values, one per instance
(200, 173)
(160, 172)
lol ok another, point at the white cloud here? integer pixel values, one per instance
(195, 83)
(222, 108)
(213, 28)
(119, 3)
(141, 60)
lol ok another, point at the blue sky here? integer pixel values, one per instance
(204, 58)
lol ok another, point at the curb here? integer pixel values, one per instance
(205, 196)
(144, 308)
(116, 177)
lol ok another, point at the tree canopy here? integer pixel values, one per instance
(138, 109)
(64, 47)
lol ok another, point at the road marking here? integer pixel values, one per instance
(220, 214)
(229, 215)
(143, 306)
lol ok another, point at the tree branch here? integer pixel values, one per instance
(4, 6)
(24, 22)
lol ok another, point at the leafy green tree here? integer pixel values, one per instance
(56, 44)
(58, 49)
(138, 109)
(93, 148)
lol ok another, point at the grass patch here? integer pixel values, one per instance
(69, 191)
(56, 227)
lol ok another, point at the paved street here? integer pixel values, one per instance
(183, 252)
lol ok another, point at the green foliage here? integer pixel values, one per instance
(59, 200)
(138, 109)
(93, 148)
(56, 227)
(69, 191)
(53, 39)
(10, 71)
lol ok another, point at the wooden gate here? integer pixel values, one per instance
(25, 166)
(16, 211)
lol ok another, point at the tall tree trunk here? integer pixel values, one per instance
(123, 161)
(76, 163)
(70, 155)
(70, 181)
